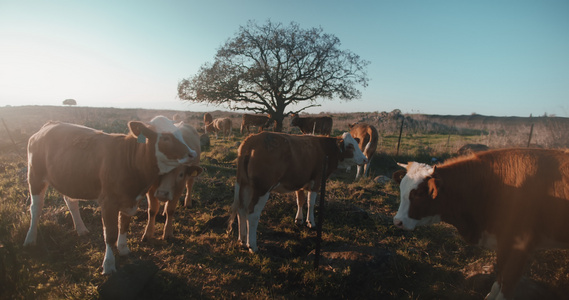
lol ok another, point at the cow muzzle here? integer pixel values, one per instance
(163, 195)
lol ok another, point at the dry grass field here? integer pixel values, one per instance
(363, 255)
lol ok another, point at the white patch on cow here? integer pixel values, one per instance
(310, 211)
(109, 261)
(488, 240)
(495, 292)
(122, 245)
(35, 211)
(359, 157)
(416, 173)
(73, 205)
(253, 222)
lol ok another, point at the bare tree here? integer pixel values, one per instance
(265, 68)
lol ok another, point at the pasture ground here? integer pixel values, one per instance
(363, 255)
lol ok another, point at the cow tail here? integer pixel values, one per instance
(242, 179)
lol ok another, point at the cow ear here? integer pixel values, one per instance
(341, 146)
(194, 171)
(398, 175)
(434, 187)
(138, 128)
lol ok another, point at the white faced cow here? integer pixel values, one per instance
(276, 162)
(512, 200)
(114, 169)
(170, 186)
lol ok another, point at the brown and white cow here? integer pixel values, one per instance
(277, 162)
(312, 125)
(368, 138)
(512, 200)
(260, 121)
(223, 125)
(114, 169)
(170, 186)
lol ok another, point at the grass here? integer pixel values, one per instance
(364, 256)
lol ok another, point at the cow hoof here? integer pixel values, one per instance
(109, 270)
(298, 222)
(123, 250)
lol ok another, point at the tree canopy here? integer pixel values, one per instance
(265, 68)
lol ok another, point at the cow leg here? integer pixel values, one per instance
(110, 216)
(189, 187)
(35, 212)
(73, 205)
(495, 292)
(122, 241)
(243, 199)
(359, 171)
(153, 207)
(511, 273)
(253, 221)
(300, 201)
(310, 211)
(36, 206)
(170, 209)
(366, 169)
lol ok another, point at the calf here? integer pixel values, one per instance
(220, 124)
(276, 162)
(368, 138)
(312, 125)
(514, 201)
(254, 120)
(169, 187)
(114, 169)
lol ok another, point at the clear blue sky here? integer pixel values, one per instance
(502, 57)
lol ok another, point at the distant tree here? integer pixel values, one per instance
(265, 68)
(69, 102)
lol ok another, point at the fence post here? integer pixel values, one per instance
(530, 134)
(322, 201)
(400, 132)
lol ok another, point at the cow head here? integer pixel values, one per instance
(350, 152)
(419, 191)
(174, 182)
(170, 148)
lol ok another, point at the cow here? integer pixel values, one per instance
(277, 162)
(207, 118)
(169, 187)
(260, 121)
(220, 124)
(114, 169)
(514, 201)
(368, 138)
(468, 149)
(312, 125)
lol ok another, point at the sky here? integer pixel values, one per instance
(455, 57)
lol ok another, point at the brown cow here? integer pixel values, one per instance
(367, 138)
(170, 186)
(512, 200)
(114, 169)
(220, 124)
(312, 125)
(260, 121)
(277, 162)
